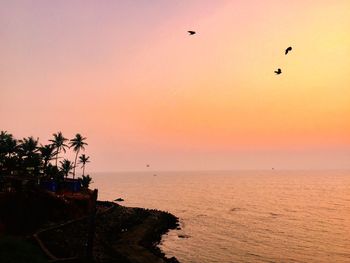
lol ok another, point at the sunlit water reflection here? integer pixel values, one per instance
(255, 216)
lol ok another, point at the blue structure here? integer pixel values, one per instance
(72, 185)
(49, 185)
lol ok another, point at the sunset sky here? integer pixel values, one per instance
(126, 75)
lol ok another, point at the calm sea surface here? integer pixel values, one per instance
(255, 216)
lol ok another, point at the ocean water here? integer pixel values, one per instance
(244, 216)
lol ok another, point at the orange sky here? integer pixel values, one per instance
(127, 76)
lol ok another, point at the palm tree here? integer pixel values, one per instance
(77, 143)
(8, 146)
(58, 143)
(85, 181)
(3, 138)
(83, 160)
(66, 167)
(11, 146)
(28, 149)
(28, 146)
(4, 135)
(47, 154)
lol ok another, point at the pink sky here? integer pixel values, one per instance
(126, 75)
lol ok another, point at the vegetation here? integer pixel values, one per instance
(66, 167)
(47, 154)
(26, 158)
(78, 144)
(58, 143)
(83, 160)
(85, 181)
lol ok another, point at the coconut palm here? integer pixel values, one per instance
(85, 181)
(66, 167)
(58, 143)
(47, 154)
(78, 144)
(27, 151)
(3, 134)
(83, 159)
(11, 146)
(3, 137)
(28, 146)
(8, 146)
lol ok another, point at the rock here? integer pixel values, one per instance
(119, 199)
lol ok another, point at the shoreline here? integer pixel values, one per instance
(122, 234)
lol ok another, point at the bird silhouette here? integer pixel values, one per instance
(288, 49)
(191, 32)
(278, 71)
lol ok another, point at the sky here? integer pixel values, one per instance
(126, 75)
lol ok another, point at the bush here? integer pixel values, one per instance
(85, 181)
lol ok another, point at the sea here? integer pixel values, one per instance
(243, 216)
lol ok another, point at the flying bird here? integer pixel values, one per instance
(147, 165)
(288, 49)
(191, 32)
(278, 71)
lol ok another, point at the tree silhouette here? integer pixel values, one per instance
(47, 154)
(26, 157)
(83, 160)
(8, 147)
(66, 167)
(78, 144)
(28, 146)
(85, 181)
(28, 153)
(11, 145)
(58, 143)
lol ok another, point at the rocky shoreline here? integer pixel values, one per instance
(122, 234)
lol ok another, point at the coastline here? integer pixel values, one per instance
(122, 234)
